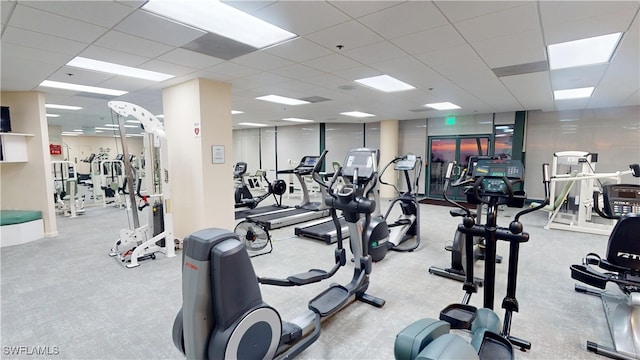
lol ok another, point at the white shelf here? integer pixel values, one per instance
(13, 147)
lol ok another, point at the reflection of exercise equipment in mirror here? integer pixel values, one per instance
(620, 267)
(575, 172)
(494, 183)
(65, 184)
(143, 241)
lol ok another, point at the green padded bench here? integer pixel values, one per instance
(20, 227)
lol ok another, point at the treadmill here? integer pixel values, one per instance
(306, 210)
(325, 230)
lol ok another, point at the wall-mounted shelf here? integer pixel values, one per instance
(13, 147)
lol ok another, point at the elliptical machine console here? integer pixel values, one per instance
(493, 185)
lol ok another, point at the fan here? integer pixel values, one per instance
(254, 236)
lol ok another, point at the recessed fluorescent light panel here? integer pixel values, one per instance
(385, 83)
(53, 115)
(251, 124)
(357, 114)
(133, 121)
(83, 88)
(282, 100)
(62, 107)
(105, 128)
(234, 112)
(573, 93)
(443, 106)
(221, 19)
(297, 120)
(595, 50)
(111, 68)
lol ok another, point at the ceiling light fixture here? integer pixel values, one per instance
(133, 121)
(62, 107)
(234, 112)
(53, 115)
(82, 88)
(443, 106)
(385, 83)
(297, 120)
(589, 51)
(567, 94)
(116, 69)
(357, 114)
(251, 124)
(221, 19)
(282, 100)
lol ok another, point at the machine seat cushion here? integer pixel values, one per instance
(450, 347)
(10, 217)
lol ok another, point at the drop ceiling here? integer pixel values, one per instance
(447, 50)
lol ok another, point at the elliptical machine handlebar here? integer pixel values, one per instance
(447, 182)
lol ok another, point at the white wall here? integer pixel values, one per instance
(246, 147)
(463, 125)
(372, 135)
(413, 139)
(613, 133)
(297, 141)
(268, 151)
(339, 138)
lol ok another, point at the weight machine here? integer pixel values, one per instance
(65, 183)
(141, 242)
(576, 170)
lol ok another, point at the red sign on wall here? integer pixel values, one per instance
(55, 149)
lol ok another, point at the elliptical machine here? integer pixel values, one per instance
(457, 248)
(387, 236)
(223, 315)
(430, 338)
(243, 196)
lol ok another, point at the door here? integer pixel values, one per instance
(445, 149)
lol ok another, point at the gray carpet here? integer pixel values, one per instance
(66, 295)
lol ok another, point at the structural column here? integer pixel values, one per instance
(388, 151)
(29, 185)
(198, 126)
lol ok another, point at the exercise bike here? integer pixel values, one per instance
(223, 315)
(457, 247)
(243, 196)
(621, 267)
(493, 185)
(387, 236)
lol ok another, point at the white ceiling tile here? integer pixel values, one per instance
(301, 17)
(409, 70)
(501, 23)
(359, 72)
(297, 71)
(558, 12)
(27, 53)
(80, 76)
(513, 49)
(413, 16)
(298, 50)
(156, 28)
(132, 3)
(32, 71)
(248, 6)
(350, 35)
(578, 77)
(126, 83)
(266, 78)
(55, 25)
(328, 81)
(132, 44)
(486, 87)
(262, 60)
(357, 9)
(167, 68)
(189, 58)
(601, 25)
(31, 39)
(374, 53)
(533, 90)
(438, 38)
(102, 13)
(114, 56)
(457, 11)
(233, 70)
(459, 59)
(6, 9)
(331, 63)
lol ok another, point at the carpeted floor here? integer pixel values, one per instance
(65, 293)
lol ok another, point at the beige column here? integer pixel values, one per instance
(29, 185)
(388, 151)
(198, 123)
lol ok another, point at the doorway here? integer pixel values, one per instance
(445, 149)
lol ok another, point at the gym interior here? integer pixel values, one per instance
(164, 206)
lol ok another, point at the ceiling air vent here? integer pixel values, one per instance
(419, 110)
(521, 69)
(315, 99)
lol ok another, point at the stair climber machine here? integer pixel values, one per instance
(243, 196)
(306, 210)
(143, 241)
(621, 267)
(223, 315)
(493, 185)
(387, 236)
(457, 247)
